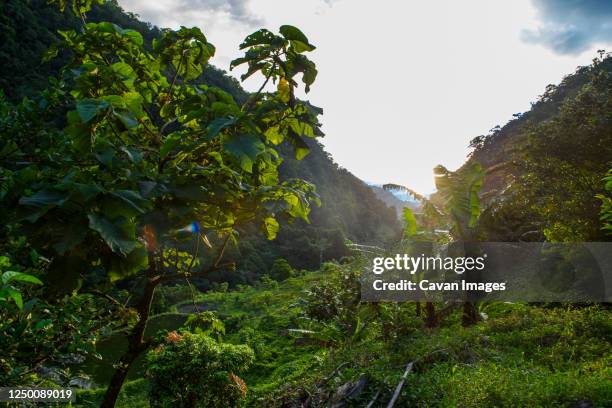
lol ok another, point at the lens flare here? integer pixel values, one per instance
(150, 238)
(192, 228)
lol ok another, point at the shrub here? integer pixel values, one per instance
(281, 270)
(193, 370)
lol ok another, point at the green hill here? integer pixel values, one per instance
(545, 167)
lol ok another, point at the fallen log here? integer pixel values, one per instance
(398, 389)
(371, 404)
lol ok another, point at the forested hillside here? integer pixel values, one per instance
(27, 30)
(349, 209)
(545, 168)
(393, 201)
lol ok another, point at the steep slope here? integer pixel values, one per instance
(392, 201)
(545, 168)
(27, 28)
(347, 202)
(503, 144)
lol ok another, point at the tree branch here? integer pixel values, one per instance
(174, 276)
(103, 295)
(253, 98)
(222, 250)
(195, 255)
(178, 68)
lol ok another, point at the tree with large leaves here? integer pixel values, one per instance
(459, 214)
(148, 162)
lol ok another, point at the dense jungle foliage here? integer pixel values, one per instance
(546, 167)
(170, 240)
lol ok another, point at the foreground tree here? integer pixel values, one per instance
(151, 164)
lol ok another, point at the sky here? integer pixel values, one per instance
(405, 85)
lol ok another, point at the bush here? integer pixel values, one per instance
(193, 370)
(281, 270)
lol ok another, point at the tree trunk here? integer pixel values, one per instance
(470, 314)
(136, 345)
(112, 392)
(431, 319)
(418, 309)
(320, 257)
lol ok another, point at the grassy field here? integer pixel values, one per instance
(519, 356)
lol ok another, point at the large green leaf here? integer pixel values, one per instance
(260, 37)
(133, 154)
(274, 135)
(10, 276)
(89, 108)
(297, 38)
(300, 63)
(133, 199)
(190, 192)
(43, 201)
(122, 267)
(79, 132)
(151, 189)
(253, 68)
(299, 145)
(133, 101)
(80, 191)
(271, 227)
(169, 144)
(106, 157)
(44, 198)
(218, 125)
(8, 292)
(244, 148)
(127, 119)
(125, 72)
(133, 35)
(293, 33)
(118, 235)
(123, 203)
(411, 225)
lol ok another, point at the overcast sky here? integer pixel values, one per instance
(405, 85)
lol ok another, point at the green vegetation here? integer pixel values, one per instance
(162, 243)
(193, 370)
(546, 167)
(520, 355)
(349, 203)
(606, 204)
